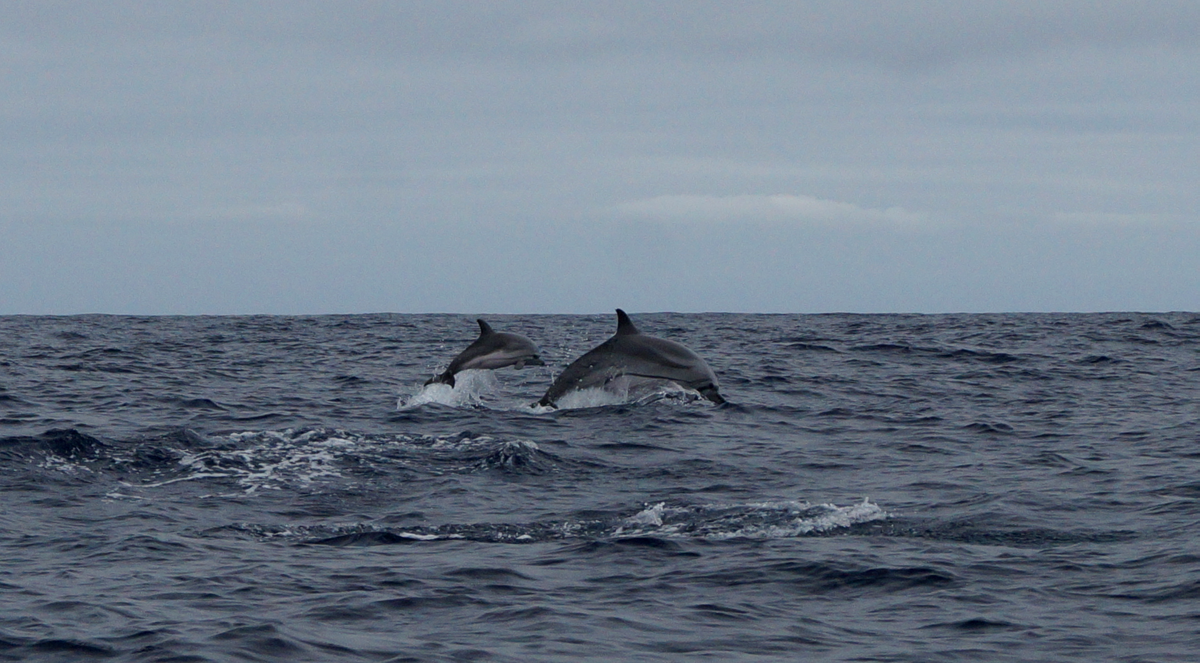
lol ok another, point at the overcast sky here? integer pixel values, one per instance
(539, 157)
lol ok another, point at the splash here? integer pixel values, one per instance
(593, 397)
(763, 520)
(470, 388)
(625, 392)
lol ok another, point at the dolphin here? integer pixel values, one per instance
(491, 350)
(632, 354)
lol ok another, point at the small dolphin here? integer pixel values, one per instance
(491, 350)
(631, 353)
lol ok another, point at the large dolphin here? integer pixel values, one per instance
(492, 349)
(632, 354)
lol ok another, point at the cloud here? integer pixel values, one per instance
(770, 208)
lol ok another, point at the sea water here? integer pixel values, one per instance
(1016, 487)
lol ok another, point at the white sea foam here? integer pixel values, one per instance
(60, 464)
(761, 520)
(814, 518)
(269, 461)
(274, 460)
(427, 537)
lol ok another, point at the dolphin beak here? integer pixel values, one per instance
(534, 361)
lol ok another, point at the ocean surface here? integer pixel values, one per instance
(1009, 487)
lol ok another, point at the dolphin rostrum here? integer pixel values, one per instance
(492, 349)
(632, 354)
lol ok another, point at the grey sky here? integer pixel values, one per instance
(317, 157)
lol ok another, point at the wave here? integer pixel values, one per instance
(250, 462)
(714, 522)
(266, 460)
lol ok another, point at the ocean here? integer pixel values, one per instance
(991, 487)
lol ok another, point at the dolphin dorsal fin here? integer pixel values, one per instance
(484, 328)
(625, 326)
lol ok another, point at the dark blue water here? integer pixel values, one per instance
(879, 488)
